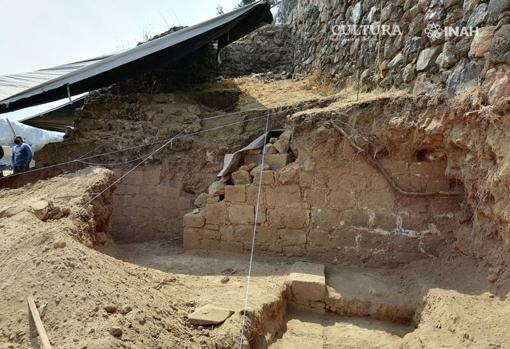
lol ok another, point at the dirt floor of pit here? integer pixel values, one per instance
(435, 292)
(311, 331)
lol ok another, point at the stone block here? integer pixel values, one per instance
(201, 200)
(342, 200)
(275, 161)
(305, 179)
(215, 213)
(354, 217)
(192, 238)
(267, 178)
(241, 214)
(235, 193)
(193, 220)
(308, 285)
(252, 192)
(382, 199)
(134, 178)
(209, 315)
(292, 237)
(324, 217)
(345, 237)
(288, 174)
(285, 195)
(319, 240)
(211, 234)
(290, 217)
(241, 177)
(316, 196)
(151, 175)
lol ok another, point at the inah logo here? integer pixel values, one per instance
(434, 31)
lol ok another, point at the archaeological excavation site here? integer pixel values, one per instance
(335, 177)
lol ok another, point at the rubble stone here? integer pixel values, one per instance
(209, 315)
(241, 177)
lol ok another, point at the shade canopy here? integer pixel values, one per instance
(47, 85)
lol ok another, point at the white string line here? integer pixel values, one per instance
(245, 308)
(182, 136)
(81, 159)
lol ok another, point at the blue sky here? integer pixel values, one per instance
(36, 34)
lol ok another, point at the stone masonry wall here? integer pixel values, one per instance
(414, 59)
(332, 206)
(265, 50)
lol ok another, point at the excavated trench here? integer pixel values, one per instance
(354, 307)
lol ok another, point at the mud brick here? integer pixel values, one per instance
(262, 215)
(285, 195)
(354, 217)
(213, 199)
(413, 204)
(267, 178)
(373, 241)
(252, 192)
(395, 167)
(318, 240)
(227, 233)
(293, 251)
(134, 178)
(341, 200)
(215, 213)
(211, 234)
(383, 220)
(241, 214)
(232, 246)
(292, 237)
(305, 179)
(324, 217)
(208, 244)
(192, 238)
(316, 196)
(381, 199)
(235, 193)
(345, 237)
(193, 220)
(275, 161)
(151, 175)
(442, 184)
(212, 227)
(289, 217)
(243, 233)
(443, 205)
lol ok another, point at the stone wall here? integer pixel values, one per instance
(331, 205)
(265, 50)
(413, 59)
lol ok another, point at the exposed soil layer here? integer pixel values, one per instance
(101, 293)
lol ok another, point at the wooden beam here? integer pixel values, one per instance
(38, 323)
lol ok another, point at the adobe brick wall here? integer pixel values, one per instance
(146, 206)
(331, 206)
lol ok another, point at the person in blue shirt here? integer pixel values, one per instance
(2, 165)
(21, 156)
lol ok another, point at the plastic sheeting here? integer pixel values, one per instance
(231, 161)
(47, 85)
(11, 85)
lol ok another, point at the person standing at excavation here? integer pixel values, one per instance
(21, 156)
